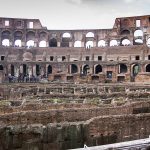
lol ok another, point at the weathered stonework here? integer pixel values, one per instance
(61, 89)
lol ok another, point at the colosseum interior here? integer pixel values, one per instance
(61, 89)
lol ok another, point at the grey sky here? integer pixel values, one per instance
(74, 14)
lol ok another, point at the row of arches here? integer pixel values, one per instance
(73, 68)
(66, 39)
(53, 43)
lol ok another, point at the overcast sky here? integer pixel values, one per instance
(74, 14)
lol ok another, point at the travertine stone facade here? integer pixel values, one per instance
(30, 52)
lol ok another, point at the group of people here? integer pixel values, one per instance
(25, 78)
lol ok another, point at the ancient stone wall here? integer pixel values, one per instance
(97, 131)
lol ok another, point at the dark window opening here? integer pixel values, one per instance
(70, 78)
(98, 69)
(121, 79)
(18, 23)
(65, 42)
(57, 77)
(49, 70)
(74, 68)
(87, 58)
(124, 32)
(24, 69)
(95, 78)
(37, 70)
(109, 74)
(53, 43)
(12, 70)
(63, 58)
(51, 58)
(2, 57)
(137, 57)
(148, 57)
(123, 68)
(136, 70)
(99, 57)
(1, 67)
(148, 68)
(86, 69)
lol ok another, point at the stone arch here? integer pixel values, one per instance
(123, 68)
(42, 43)
(113, 43)
(138, 33)
(38, 69)
(135, 69)
(1, 68)
(23, 69)
(90, 34)
(98, 69)
(30, 35)
(18, 38)
(18, 43)
(6, 42)
(30, 43)
(53, 42)
(147, 68)
(125, 41)
(89, 44)
(27, 56)
(77, 44)
(73, 68)
(125, 32)
(18, 35)
(5, 36)
(85, 70)
(49, 70)
(138, 37)
(101, 43)
(148, 42)
(43, 35)
(12, 70)
(66, 37)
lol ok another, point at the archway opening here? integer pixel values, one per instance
(86, 69)
(42, 44)
(30, 43)
(125, 42)
(65, 40)
(49, 70)
(24, 69)
(148, 68)
(138, 37)
(53, 43)
(74, 69)
(18, 43)
(101, 43)
(90, 34)
(1, 67)
(125, 32)
(135, 70)
(6, 42)
(77, 44)
(38, 68)
(98, 69)
(123, 68)
(12, 69)
(113, 43)
(89, 44)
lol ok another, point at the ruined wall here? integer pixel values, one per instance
(97, 131)
(33, 114)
